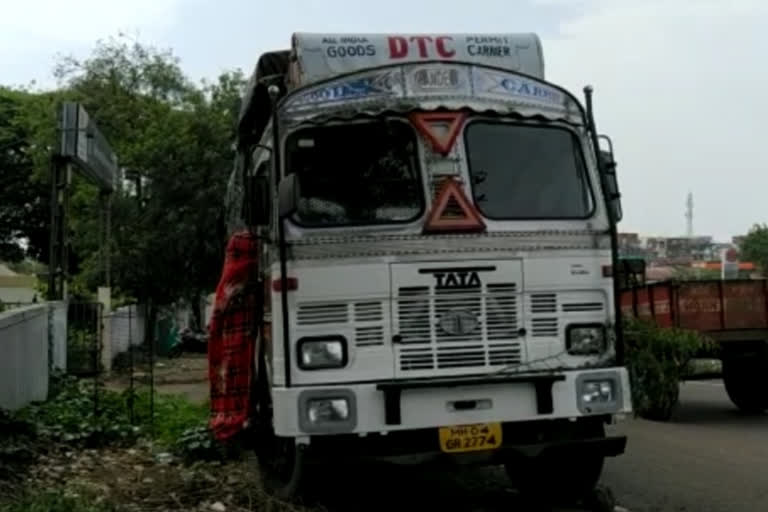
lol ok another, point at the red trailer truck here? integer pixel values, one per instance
(733, 313)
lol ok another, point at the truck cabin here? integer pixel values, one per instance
(443, 148)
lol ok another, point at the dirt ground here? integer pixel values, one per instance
(186, 375)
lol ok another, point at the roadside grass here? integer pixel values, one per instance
(80, 421)
(81, 414)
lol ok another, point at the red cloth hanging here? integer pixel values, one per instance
(232, 337)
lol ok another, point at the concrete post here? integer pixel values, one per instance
(105, 298)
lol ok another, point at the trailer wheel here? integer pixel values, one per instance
(746, 381)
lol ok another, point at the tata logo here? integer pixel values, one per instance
(457, 278)
(458, 321)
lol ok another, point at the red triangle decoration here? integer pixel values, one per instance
(452, 211)
(429, 124)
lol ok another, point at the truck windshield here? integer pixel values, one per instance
(355, 174)
(527, 172)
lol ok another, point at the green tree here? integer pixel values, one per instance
(24, 183)
(175, 140)
(755, 247)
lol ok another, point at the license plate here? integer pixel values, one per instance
(470, 438)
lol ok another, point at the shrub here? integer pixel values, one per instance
(657, 360)
(77, 412)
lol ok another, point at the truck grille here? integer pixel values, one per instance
(425, 345)
(335, 317)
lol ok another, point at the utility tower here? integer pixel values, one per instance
(689, 215)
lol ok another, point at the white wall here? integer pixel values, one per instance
(127, 324)
(24, 356)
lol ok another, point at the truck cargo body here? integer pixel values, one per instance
(723, 310)
(732, 313)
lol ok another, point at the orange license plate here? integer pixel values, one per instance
(470, 438)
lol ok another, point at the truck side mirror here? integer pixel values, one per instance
(259, 207)
(288, 195)
(608, 166)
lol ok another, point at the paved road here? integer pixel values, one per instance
(709, 458)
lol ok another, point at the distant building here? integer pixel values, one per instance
(630, 246)
(679, 250)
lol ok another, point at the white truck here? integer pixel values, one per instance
(438, 229)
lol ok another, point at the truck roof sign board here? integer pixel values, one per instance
(322, 56)
(83, 143)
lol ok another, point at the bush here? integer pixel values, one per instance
(79, 413)
(657, 360)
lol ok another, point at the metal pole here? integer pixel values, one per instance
(53, 240)
(101, 233)
(96, 361)
(108, 257)
(274, 92)
(612, 230)
(130, 364)
(65, 231)
(151, 380)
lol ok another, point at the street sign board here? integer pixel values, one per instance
(83, 143)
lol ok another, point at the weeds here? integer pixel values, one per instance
(85, 413)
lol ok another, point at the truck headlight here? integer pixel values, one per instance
(327, 410)
(583, 340)
(599, 392)
(322, 353)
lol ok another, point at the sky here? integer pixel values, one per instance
(680, 85)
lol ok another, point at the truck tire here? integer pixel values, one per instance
(280, 462)
(282, 469)
(746, 381)
(559, 479)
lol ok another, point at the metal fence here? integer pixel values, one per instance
(36, 340)
(84, 331)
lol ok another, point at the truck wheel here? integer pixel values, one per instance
(280, 461)
(559, 478)
(746, 382)
(282, 468)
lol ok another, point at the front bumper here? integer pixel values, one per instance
(560, 438)
(430, 403)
